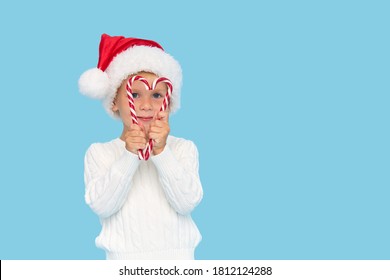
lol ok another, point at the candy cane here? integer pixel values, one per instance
(145, 153)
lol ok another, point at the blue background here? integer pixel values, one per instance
(287, 101)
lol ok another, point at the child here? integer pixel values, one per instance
(144, 205)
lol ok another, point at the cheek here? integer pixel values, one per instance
(157, 104)
(123, 107)
(123, 104)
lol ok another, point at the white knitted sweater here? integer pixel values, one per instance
(144, 206)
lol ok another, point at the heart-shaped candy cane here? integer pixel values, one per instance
(145, 154)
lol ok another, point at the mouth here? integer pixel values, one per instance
(145, 119)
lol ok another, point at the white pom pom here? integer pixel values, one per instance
(94, 83)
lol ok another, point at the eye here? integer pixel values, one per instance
(157, 95)
(135, 95)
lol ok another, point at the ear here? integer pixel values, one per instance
(114, 107)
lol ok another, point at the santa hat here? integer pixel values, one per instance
(120, 57)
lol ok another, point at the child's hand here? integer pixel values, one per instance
(159, 130)
(135, 138)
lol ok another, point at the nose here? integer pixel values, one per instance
(145, 104)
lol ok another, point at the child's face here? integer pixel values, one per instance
(147, 102)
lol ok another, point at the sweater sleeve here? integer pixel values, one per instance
(107, 180)
(179, 175)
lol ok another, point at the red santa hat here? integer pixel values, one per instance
(120, 57)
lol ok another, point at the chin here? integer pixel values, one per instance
(146, 127)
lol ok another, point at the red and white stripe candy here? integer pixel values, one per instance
(145, 154)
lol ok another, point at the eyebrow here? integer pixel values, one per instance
(161, 88)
